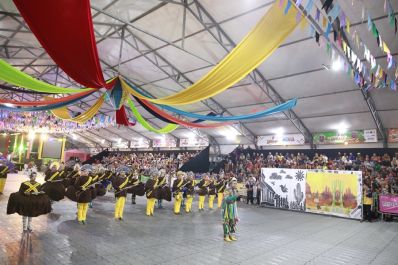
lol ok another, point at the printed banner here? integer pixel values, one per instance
(353, 137)
(393, 135)
(370, 136)
(139, 143)
(288, 139)
(334, 193)
(283, 188)
(164, 142)
(388, 204)
(193, 142)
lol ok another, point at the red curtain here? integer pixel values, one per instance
(121, 117)
(65, 30)
(182, 122)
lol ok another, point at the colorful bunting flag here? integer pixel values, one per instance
(309, 6)
(288, 6)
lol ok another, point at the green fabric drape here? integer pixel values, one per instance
(166, 129)
(16, 77)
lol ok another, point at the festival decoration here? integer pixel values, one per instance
(260, 43)
(65, 29)
(121, 117)
(58, 38)
(63, 113)
(183, 122)
(279, 108)
(46, 101)
(16, 77)
(365, 78)
(46, 107)
(45, 122)
(167, 129)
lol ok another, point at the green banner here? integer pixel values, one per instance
(352, 137)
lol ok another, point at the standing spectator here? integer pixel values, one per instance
(250, 183)
(367, 202)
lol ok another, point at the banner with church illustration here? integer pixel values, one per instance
(283, 188)
(336, 193)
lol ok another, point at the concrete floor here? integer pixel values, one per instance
(266, 236)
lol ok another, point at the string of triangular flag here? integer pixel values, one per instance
(376, 76)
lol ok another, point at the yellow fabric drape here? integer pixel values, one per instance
(260, 43)
(63, 113)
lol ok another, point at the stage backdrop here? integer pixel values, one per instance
(334, 193)
(283, 188)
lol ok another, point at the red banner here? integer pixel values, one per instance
(65, 30)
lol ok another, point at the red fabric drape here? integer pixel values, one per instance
(121, 117)
(181, 122)
(46, 101)
(65, 30)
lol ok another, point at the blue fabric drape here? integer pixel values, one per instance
(279, 108)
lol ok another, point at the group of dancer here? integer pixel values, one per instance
(84, 184)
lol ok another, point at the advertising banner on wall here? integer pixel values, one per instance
(393, 135)
(283, 188)
(353, 137)
(287, 139)
(370, 136)
(388, 204)
(193, 142)
(139, 143)
(164, 142)
(334, 193)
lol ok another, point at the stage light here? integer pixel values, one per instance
(342, 130)
(8, 105)
(31, 135)
(43, 136)
(337, 64)
(231, 134)
(102, 141)
(74, 136)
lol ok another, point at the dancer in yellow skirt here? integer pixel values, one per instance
(203, 190)
(177, 191)
(150, 190)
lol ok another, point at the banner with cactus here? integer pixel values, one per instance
(334, 193)
(283, 188)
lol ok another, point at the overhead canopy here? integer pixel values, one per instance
(167, 47)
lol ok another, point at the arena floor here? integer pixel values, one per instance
(266, 236)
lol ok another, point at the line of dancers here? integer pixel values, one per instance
(83, 184)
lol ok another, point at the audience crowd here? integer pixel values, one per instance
(145, 161)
